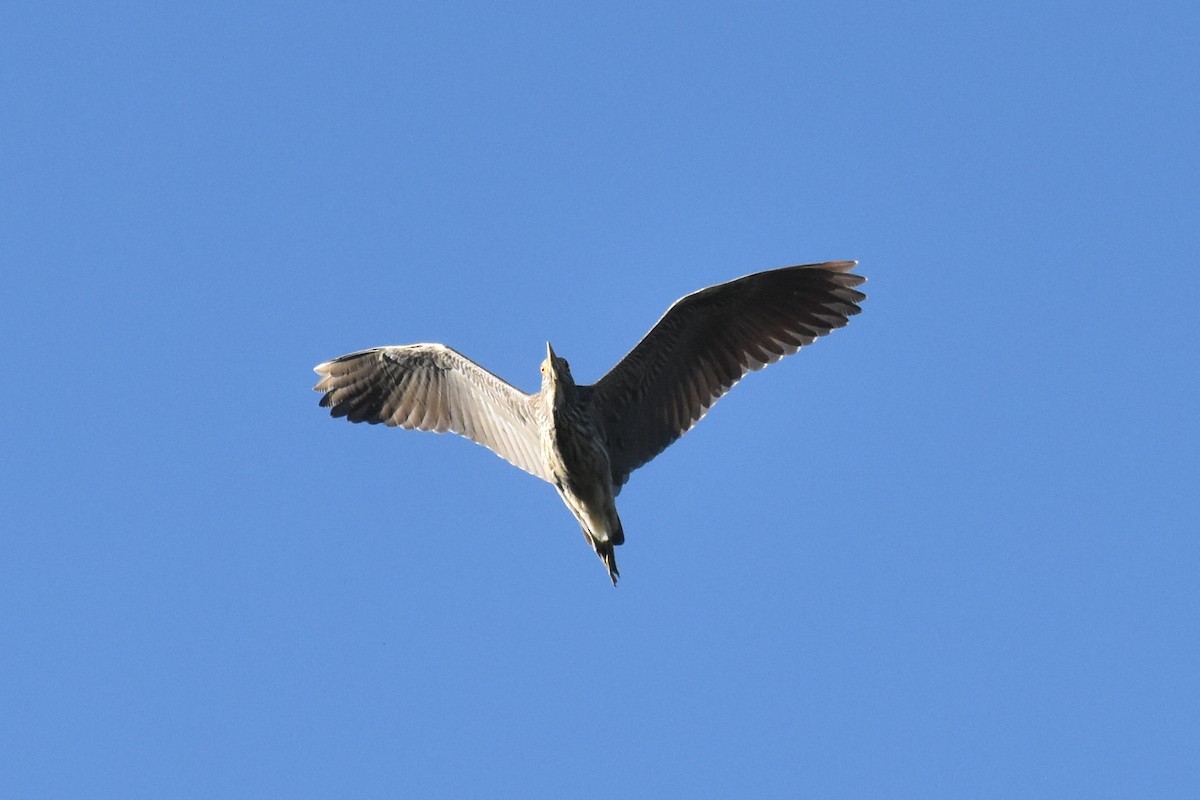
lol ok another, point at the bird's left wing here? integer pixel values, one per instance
(431, 387)
(705, 343)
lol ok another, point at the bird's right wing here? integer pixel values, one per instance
(707, 342)
(430, 387)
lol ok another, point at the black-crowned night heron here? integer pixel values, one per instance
(587, 439)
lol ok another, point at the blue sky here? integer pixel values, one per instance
(949, 551)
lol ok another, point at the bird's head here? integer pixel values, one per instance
(556, 373)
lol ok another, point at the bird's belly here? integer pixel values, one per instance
(579, 461)
(579, 466)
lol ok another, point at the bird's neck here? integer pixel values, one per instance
(562, 396)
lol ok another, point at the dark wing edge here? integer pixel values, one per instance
(430, 387)
(708, 341)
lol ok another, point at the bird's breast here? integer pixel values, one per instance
(575, 451)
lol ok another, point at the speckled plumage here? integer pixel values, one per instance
(586, 440)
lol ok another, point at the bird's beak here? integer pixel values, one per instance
(551, 370)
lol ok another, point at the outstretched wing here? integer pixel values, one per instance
(430, 387)
(705, 343)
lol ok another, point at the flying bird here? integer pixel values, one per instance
(586, 440)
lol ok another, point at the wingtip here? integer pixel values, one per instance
(844, 269)
(837, 266)
(322, 385)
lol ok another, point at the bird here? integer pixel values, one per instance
(587, 439)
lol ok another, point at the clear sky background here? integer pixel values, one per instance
(949, 551)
